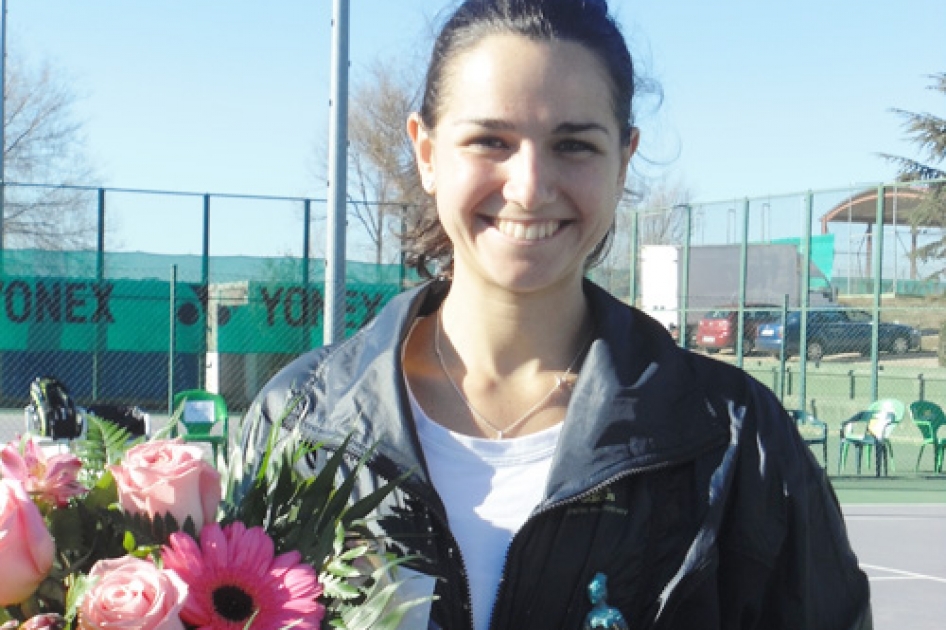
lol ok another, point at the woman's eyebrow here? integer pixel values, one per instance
(563, 128)
(567, 128)
(488, 123)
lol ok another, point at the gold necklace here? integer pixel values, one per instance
(501, 433)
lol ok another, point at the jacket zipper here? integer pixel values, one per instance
(454, 547)
(569, 501)
(455, 550)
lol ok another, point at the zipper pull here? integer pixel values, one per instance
(602, 615)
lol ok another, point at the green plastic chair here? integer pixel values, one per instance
(201, 413)
(870, 430)
(813, 431)
(928, 418)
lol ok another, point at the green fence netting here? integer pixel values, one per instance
(132, 295)
(108, 335)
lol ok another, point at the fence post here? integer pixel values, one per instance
(3, 119)
(205, 289)
(172, 338)
(743, 274)
(100, 332)
(782, 351)
(805, 298)
(684, 282)
(633, 253)
(877, 263)
(307, 317)
(851, 385)
(921, 394)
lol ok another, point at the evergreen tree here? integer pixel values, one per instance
(928, 132)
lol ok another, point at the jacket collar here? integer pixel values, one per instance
(635, 404)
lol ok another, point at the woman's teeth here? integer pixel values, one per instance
(532, 231)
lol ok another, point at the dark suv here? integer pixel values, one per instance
(835, 331)
(718, 329)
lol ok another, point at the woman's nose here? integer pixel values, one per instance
(530, 181)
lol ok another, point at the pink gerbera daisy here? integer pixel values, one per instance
(235, 578)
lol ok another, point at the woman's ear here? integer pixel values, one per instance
(628, 152)
(423, 151)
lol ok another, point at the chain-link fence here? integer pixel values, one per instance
(129, 296)
(831, 298)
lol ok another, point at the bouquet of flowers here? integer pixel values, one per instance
(147, 534)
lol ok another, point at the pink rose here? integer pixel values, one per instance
(50, 480)
(164, 476)
(132, 593)
(26, 547)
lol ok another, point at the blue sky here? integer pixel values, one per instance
(231, 95)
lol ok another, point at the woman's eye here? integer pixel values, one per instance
(488, 142)
(576, 146)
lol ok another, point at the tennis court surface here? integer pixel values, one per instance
(898, 530)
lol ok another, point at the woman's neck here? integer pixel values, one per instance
(497, 332)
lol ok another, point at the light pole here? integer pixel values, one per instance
(334, 320)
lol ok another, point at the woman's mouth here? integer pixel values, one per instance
(527, 230)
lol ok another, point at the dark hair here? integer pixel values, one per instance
(585, 22)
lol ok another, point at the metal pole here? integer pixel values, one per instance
(3, 120)
(172, 338)
(684, 280)
(805, 297)
(683, 285)
(634, 254)
(878, 278)
(743, 275)
(334, 320)
(307, 316)
(205, 289)
(782, 351)
(100, 278)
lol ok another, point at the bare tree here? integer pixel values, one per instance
(661, 213)
(44, 144)
(382, 179)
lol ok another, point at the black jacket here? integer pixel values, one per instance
(679, 477)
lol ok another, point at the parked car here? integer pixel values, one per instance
(718, 329)
(835, 331)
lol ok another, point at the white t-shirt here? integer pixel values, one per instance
(489, 488)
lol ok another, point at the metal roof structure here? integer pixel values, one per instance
(899, 203)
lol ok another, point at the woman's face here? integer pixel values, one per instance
(526, 161)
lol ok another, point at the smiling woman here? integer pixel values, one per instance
(553, 439)
(526, 167)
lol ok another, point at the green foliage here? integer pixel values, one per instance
(312, 514)
(105, 443)
(363, 586)
(928, 133)
(316, 516)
